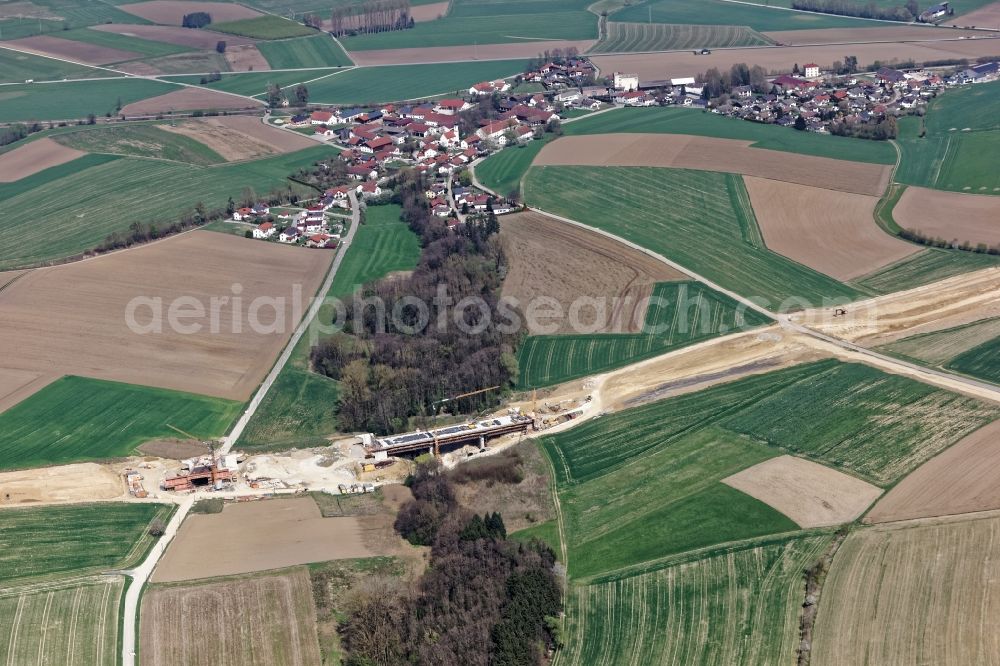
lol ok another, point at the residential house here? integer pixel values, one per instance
(263, 231)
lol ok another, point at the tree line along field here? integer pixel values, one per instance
(299, 410)
(740, 606)
(634, 37)
(717, 12)
(112, 193)
(315, 51)
(75, 99)
(700, 219)
(139, 140)
(76, 419)
(656, 120)
(264, 27)
(18, 67)
(679, 314)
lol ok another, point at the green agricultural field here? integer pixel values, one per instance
(65, 623)
(81, 539)
(140, 140)
(316, 51)
(74, 99)
(16, 66)
(717, 12)
(737, 607)
(255, 83)
(394, 83)
(60, 15)
(680, 314)
(687, 121)
(925, 267)
(502, 172)
(625, 37)
(264, 27)
(940, 347)
(299, 409)
(76, 419)
(700, 219)
(982, 361)
(146, 48)
(115, 192)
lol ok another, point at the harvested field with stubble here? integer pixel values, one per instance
(262, 535)
(171, 12)
(263, 620)
(240, 137)
(553, 259)
(197, 39)
(950, 215)
(69, 49)
(829, 231)
(34, 157)
(963, 479)
(709, 154)
(89, 335)
(811, 494)
(189, 99)
(906, 594)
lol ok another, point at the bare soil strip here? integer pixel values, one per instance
(710, 154)
(189, 99)
(240, 137)
(84, 482)
(882, 33)
(177, 449)
(950, 215)
(198, 39)
(781, 59)
(246, 58)
(811, 494)
(267, 534)
(257, 621)
(560, 261)
(518, 49)
(987, 17)
(34, 157)
(963, 479)
(55, 47)
(171, 12)
(71, 319)
(832, 232)
(952, 302)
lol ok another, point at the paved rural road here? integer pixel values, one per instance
(142, 573)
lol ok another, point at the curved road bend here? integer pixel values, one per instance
(141, 573)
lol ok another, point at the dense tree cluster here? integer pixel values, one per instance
(716, 83)
(905, 13)
(484, 600)
(419, 347)
(196, 20)
(370, 16)
(880, 131)
(13, 133)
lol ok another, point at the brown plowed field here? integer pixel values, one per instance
(171, 12)
(882, 33)
(950, 215)
(429, 12)
(267, 534)
(55, 47)
(551, 259)
(906, 594)
(240, 137)
(809, 493)
(962, 479)
(71, 319)
(710, 154)
(264, 620)
(16, 385)
(34, 157)
(189, 99)
(832, 232)
(987, 17)
(198, 39)
(781, 59)
(246, 58)
(519, 49)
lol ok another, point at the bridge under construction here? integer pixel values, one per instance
(462, 434)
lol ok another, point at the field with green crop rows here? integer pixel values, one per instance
(700, 219)
(60, 15)
(76, 418)
(680, 314)
(316, 51)
(46, 542)
(392, 83)
(75, 622)
(686, 121)
(140, 140)
(254, 83)
(502, 172)
(74, 99)
(299, 408)
(146, 48)
(625, 37)
(940, 347)
(982, 361)
(717, 12)
(264, 27)
(16, 66)
(925, 267)
(112, 193)
(737, 607)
